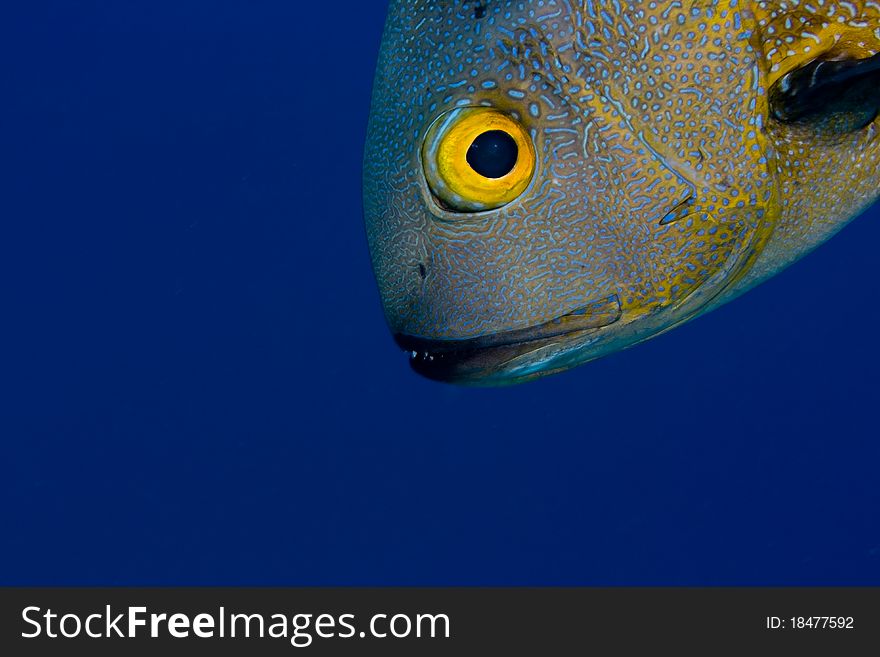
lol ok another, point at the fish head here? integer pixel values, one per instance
(548, 182)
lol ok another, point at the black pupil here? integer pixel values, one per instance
(493, 154)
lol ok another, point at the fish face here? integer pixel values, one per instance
(548, 182)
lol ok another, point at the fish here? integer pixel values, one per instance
(547, 182)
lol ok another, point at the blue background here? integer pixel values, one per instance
(199, 387)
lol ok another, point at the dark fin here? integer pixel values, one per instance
(837, 95)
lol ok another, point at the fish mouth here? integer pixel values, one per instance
(506, 356)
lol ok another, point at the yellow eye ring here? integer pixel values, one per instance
(477, 158)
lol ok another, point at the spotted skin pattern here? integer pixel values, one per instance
(661, 182)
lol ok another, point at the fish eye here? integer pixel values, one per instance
(833, 94)
(477, 159)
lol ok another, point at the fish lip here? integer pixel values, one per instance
(462, 361)
(483, 359)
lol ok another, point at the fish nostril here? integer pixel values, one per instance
(422, 271)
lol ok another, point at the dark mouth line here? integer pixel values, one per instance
(594, 315)
(431, 350)
(435, 360)
(450, 360)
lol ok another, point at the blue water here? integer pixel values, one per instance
(198, 386)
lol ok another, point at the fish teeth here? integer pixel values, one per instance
(423, 355)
